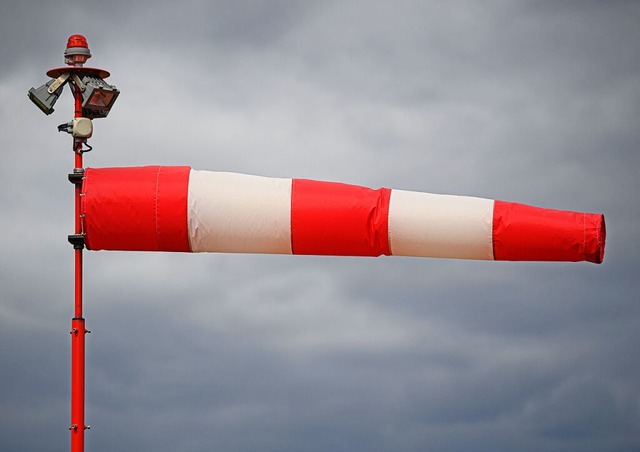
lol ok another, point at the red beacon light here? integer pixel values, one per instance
(77, 41)
(77, 52)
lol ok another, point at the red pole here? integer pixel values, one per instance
(80, 79)
(78, 329)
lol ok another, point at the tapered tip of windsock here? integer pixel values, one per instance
(528, 233)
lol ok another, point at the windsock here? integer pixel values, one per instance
(176, 208)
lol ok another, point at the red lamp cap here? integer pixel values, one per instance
(77, 41)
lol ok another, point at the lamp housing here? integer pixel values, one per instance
(44, 98)
(97, 97)
(81, 128)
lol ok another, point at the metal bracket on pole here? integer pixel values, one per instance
(78, 82)
(77, 240)
(77, 176)
(57, 83)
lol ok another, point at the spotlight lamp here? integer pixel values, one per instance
(97, 97)
(45, 97)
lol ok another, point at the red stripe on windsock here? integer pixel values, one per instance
(329, 218)
(527, 233)
(139, 208)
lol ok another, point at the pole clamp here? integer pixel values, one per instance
(77, 240)
(76, 177)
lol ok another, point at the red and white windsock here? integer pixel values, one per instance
(166, 208)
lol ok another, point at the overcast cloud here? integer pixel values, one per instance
(535, 102)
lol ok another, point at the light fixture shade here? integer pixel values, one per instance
(98, 97)
(44, 99)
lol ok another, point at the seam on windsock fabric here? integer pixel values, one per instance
(491, 237)
(292, 204)
(392, 194)
(584, 234)
(157, 223)
(382, 215)
(187, 212)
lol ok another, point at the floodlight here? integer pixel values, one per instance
(97, 97)
(44, 97)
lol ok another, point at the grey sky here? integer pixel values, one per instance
(534, 102)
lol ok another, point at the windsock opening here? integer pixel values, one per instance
(136, 209)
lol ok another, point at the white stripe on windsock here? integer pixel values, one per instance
(238, 213)
(425, 224)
